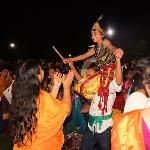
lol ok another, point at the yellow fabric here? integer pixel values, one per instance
(127, 132)
(90, 88)
(51, 115)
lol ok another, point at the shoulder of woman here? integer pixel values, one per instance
(138, 94)
(45, 95)
(127, 117)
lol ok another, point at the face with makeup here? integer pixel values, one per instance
(96, 36)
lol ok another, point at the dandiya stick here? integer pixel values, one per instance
(58, 52)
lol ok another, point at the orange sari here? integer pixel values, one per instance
(127, 133)
(51, 116)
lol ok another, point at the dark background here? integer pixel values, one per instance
(34, 28)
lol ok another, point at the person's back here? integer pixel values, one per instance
(51, 115)
(37, 117)
(131, 130)
(126, 131)
(136, 100)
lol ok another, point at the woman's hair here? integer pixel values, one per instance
(139, 71)
(52, 67)
(25, 92)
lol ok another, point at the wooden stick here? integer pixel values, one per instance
(58, 52)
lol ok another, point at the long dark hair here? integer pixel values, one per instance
(138, 74)
(25, 92)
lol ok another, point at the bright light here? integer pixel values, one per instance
(69, 55)
(12, 45)
(110, 32)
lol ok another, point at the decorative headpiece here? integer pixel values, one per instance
(97, 26)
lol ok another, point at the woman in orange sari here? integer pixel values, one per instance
(36, 116)
(131, 131)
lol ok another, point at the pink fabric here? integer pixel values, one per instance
(127, 84)
(146, 132)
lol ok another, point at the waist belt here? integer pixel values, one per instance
(98, 119)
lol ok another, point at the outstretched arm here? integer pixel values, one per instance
(66, 84)
(78, 77)
(118, 72)
(118, 54)
(83, 56)
(57, 83)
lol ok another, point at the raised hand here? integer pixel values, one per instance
(57, 79)
(71, 65)
(119, 53)
(70, 60)
(57, 82)
(68, 80)
(64, 61)
(67, 60)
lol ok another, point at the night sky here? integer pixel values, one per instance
(35, 28)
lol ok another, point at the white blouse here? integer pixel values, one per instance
(136, 100)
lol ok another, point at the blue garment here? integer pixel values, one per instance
(76, 121)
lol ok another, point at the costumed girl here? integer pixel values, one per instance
(104, 53)
(103, 50)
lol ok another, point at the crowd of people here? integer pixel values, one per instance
(102, 104)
